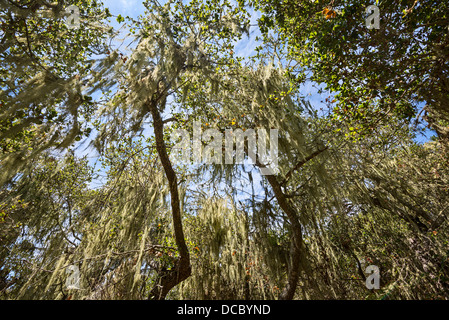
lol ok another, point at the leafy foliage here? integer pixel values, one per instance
(154, 228)
(45, 67)
(375, 74)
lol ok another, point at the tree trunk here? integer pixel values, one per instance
(297, 244)
(182, 269)
(297, 249)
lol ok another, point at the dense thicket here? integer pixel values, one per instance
(340, 200)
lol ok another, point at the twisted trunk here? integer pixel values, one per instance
(182, 269)
(297, 244)
(297, 249)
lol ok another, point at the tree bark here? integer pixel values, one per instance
(297, 248)
(182, 269)
(297, 244)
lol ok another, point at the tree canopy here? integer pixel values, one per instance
(399, 70)
(95, 205)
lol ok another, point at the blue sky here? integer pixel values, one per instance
(244, 48)
(133, 8)
(130, 8)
